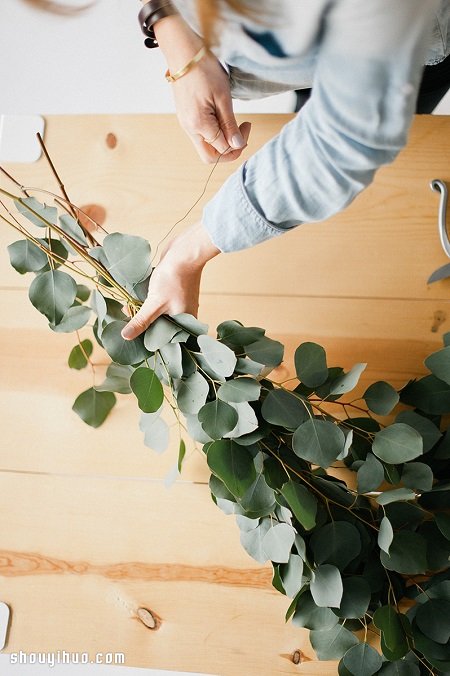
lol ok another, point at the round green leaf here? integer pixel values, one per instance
(417, 475)
(190, 324)
(172, 357)
(156, 431)
(219, 356)
(362, 660)
(302, 502)
(128, 257)
(311, 364)
(117, 379)
(232, 464)
(239, 390)
(234, 333)
(443, 523)
(259, 498)
(429, 394)
(265, 351)
(407, 554)
(77, 357)
(285, 409)
(387, 620)
(278, 541)
(291, 575)
(59, 251)
(217, 418)
(52, 293)
(93, 407)
(338, 543)
(399, 668)
(397, 443)
(83, 292)
(355, 598)
(310, 616)
(332, 644)
(370, 474)
(192, 393)
(25, 256)
(396, 495)
(326, 586)
(148, 389)
(385, 535)
(439, 364)
(252, 540)
(381, 398)
(348, 381)
(433, 618)
(159, 334)
(73, 320)
(318, 442)
(28, 205)
(426, 428)
(123, 351)
(72, 228)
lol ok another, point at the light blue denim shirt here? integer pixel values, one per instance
(364, 59)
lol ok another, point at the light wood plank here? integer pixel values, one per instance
(110, 547)
(153, 176)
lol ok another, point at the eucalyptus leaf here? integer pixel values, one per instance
(381, 398)
(252, 540)
(78, 355)
(362, 660)
(117, 379)
(310, 616)
(159, 334)
(427, 429)
(370, 475)
(28, 205)
(417, 475)
(407, 554)
(429, 394)
(302, 502)
(356, 598)
(57, 252)
(192, 393)
(385, 534)
(83, 292)
(399, 668)
(190, 324)
(25, 256)
(441, 273)
(120, 350)
(318, 442)
(439, 364)
(285, 409)
(397, 443)
(396, 495)
(73, 229)
(326, 586)
(172, 358)
(259, 498)
(249, 367)
(94, 407)
(278, 541)
(433, 618)
(236, 334)
(265, 351)
(74, 319)
(156, 431)
(232, 464)
(348, 381)
(218, 356)
(388, 621)
(217, 418)
(291, 575)
(148, 389)
(311, 364)
(332, 644)
(247, 423)
(338, 543)
(443, 523)
(128, 257)
(195, 429)
(52, 293)
(239, 390)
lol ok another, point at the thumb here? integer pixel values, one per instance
(142, 319)
(229, 126)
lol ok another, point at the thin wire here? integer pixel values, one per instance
(190, 209)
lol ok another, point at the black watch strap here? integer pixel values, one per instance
(151, 12)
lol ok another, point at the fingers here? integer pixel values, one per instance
(228, 125)
(209, 154)
(147, 314)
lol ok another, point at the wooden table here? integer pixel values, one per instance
(89, 531)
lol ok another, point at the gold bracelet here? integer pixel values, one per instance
(195, 59)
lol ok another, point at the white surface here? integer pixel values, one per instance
(4, 623)
(8, 669)
(18, 142)
(93, 62)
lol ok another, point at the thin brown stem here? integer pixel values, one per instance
(11, 178)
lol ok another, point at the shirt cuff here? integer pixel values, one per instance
(232, 221)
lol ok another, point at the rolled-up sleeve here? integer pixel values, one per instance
(357, 119)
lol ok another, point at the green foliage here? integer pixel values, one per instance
(346, 558)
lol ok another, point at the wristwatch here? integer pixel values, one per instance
(151, 12)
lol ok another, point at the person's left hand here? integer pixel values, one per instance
(175, 281)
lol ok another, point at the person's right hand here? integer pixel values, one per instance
(202, 96)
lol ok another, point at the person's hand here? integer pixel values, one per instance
(202, 96)
(175, 282)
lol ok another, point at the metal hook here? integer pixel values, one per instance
(439, 186)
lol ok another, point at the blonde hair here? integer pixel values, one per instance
(209, 15)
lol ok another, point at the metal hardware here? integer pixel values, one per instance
(439, 186)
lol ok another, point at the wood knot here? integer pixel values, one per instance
(438, 319)
(92, 214)
(111, 140)
(149, 618)
(298, 656)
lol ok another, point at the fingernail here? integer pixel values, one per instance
(237, 140)
(127, 332)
